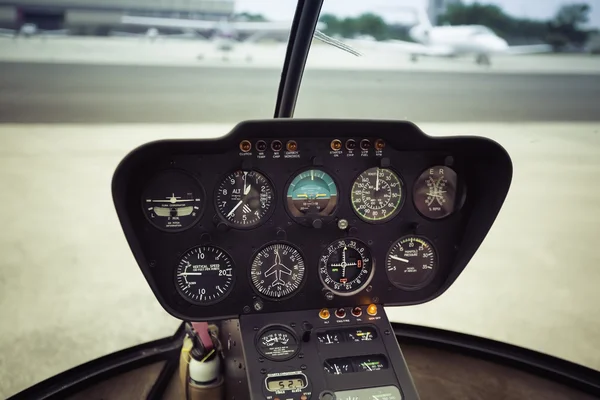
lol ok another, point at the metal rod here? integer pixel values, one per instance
(301, 35)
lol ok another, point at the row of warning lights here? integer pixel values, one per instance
(341, 312)
(292, 145)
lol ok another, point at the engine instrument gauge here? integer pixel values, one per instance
(277, 271)
(370, 363)
(377, 195)
(329, 337)
(434, 192)
(338, 366)
(204, 275)
(173, 201)
(245, 199)
(346, 267)
(312, 192)
(411, 263)
(364, 334)
(277, 343)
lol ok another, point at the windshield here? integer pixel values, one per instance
(533, 282)
(85, 81)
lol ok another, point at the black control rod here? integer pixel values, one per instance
(301, 35)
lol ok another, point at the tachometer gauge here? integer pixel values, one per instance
(411, 263)
(434, 193)
(377, 195)
(312, 192)
(277, 344)
(277, 271)
(173, 201)
(204, 275)
(346, 267)
(245, 199)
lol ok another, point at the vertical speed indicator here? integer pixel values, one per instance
(204, 275)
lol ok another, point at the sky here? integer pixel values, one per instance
(398, 10)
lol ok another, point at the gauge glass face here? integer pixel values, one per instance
(338, 366)
(434, 192)
(411, 263)
(377, 195)
(346, 267)
(329, 337)
(370, 363)
(366, 334)
(312, 192)
(173, 201)
(277, 271)
(244, 199)
(204, 275)
(277, 344)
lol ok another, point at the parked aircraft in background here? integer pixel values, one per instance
(153, 34)
(30, 30)
(454, 41)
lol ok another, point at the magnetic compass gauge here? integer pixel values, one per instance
(204, 275)
(277, 271)
(434, 193)
(346, 267)
(312, 192)
(245, 199)
(411, 263)
(173, 201)
(377, 195)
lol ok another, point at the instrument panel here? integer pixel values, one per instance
(285, 215)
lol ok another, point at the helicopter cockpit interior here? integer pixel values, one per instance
(280, 244)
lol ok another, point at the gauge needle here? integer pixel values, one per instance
(337, 369)
(234, 208)
(398, 258)
(171, 200)
(377, 181)
(367, 365)
(189, 273)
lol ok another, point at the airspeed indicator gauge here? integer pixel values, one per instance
(377, 195)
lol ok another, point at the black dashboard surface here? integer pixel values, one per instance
(167, 237)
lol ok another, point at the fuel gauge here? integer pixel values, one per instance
(329, 337)
(338, 366)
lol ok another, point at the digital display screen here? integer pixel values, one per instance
(291, 382)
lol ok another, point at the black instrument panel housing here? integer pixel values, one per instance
(484, 172)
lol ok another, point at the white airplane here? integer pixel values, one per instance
(29, 30)
(455, 41)
(153, 34)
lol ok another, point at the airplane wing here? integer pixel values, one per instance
(402, 47)
(155, 22)
(530, 49)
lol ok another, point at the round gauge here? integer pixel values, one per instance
(277, 271)
(435, 192)
(277, 344)
(377, 195)
(204, 275)
(173, 201)
(346, 267)
(411, 263)
(245, 199)
(312, 192)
